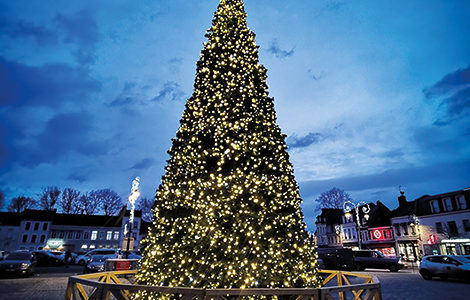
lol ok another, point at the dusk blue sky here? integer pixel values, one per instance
(372, 94)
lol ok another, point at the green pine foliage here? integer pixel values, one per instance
(227, 213)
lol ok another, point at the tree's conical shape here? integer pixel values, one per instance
(227, 213)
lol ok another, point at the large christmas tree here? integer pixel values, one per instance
(227, 213)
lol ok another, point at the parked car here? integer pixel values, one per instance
(364, 259)
(3, 254)
(48, 259)
(97, 261)
(337, 258)
(444, 266)
(20, 262)
(84, 259)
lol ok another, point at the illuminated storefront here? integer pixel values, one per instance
(381, 239)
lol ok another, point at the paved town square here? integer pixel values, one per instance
(407, 284)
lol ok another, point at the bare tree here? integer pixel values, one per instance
(145, 205)
(70, 202)
(2, 199)
(110, 201)
(333, 198)
(89, 203)
(49, 198)
(20, 203)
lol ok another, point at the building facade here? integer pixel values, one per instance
(49, 230)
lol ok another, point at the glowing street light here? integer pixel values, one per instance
(134, 195)
(348, 207)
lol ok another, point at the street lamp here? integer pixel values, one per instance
(132, 199)
(348, 207)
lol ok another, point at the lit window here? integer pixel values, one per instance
(461, 202)
(434, 206)
(94, 235)
(109, 235)
(116, 235)
(447, 204)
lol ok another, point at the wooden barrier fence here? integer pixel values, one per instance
(119, 285)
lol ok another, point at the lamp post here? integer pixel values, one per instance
(132, 199)
(349, 206)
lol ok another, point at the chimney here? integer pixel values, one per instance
(402, 199)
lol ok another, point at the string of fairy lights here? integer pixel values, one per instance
(227, 213)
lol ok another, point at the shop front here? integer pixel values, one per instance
(381, 239)
(408, 250)
(455, 247)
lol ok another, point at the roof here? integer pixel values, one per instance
(10, 219)
(331, 215)
(87, 220)
(36, 214)
(421, 207)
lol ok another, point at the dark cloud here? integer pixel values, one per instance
(79, 175)
(275, 49)
(449, 83)
(305, 141)
(49, 85)
(170, 91)
(175, 60)
(453, 90)
(126, 97)
(143, 164)
(438, 174)
(81, 30)
(62, 134)
(17, 29)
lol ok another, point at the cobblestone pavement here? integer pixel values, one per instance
(408, 284)
(50, 284)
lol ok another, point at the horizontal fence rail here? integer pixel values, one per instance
(119, 285)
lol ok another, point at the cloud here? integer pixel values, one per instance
(81, 30)
(126, 97)
(15, 29)
(305, 141)
(64, 133)
(314, 76)
(275, 49)
(48, 85)
(408, 176)
(449, 83)
(143, 164)
(171, 91)
(453, 91)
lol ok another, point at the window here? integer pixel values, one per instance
(405, 228)
(27, 226)
(101, 235)
(452, 226)
(109, 235)
(461, 203)
(434, 206)
(25, 238)
(447, 204)
(33, 239)
(439, 228)
(116, 235)
(44, 226)
(36, 226)
(53, 234)
(136, 225)
(466, 225)
(94, 235)
(43, 238)
(70, 235)
(78, 235)
(85, 235)
(397, 229)
(61, 234)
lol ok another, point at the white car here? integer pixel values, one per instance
(85, 258)
(445, 266)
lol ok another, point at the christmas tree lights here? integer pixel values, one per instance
(227, 213)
